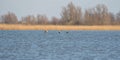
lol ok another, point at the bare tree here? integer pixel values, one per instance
(29, 20)
(103, 14)
(0, 19)
(89, 17)
(118, 18)
(112, 18)
(42, 19)
(98, 15)
(55, 21)
(9, 18)
(71, 14)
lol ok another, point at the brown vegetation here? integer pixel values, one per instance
(96, 18)
(56, 27)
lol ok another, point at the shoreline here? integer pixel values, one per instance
(58, 27)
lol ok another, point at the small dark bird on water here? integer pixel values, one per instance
(67, 32)
(59, 32)
(45, 31)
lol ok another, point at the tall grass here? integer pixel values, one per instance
(56, 27)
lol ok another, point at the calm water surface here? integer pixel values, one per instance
(74, 45)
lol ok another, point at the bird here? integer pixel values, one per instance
(45, 31)
(67, 32)
(59, 32)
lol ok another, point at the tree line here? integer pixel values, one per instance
(70, 15)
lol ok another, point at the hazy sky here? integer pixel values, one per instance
(51, 7)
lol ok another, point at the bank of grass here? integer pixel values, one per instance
(57, 27)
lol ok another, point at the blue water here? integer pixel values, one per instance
(74, 45)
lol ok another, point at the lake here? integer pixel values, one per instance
(59, 45)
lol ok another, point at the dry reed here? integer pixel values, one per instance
(56, 27)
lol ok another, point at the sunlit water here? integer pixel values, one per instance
(63, 45)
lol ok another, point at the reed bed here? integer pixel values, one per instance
(57, 27)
